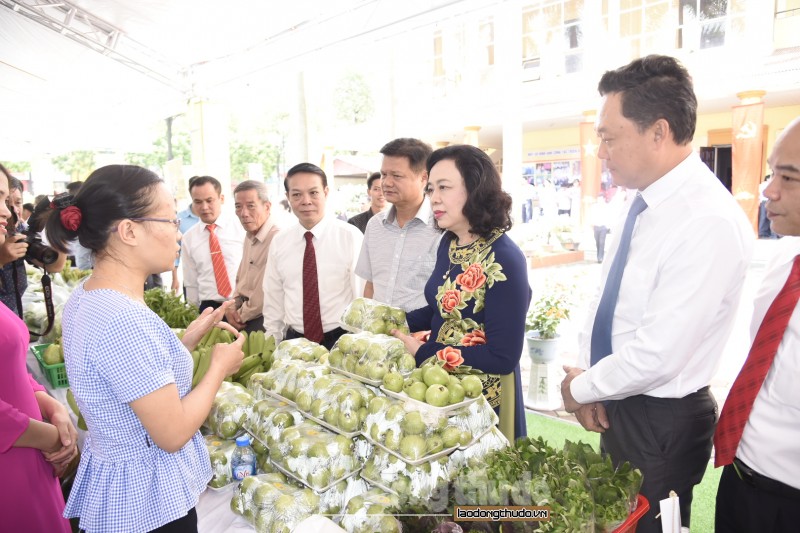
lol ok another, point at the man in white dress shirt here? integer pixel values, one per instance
(335, 244)
(399, 250)
(760, 490)
(648, 393)
(208, 281)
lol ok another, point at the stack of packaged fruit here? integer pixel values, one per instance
(364, 314)
(359, 430)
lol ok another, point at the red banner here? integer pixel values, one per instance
(747, 156)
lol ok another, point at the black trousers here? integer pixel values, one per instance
(209, 303)
(669, 440)
(761, 505)
(329, 338)
(256, 324)
(187, 524)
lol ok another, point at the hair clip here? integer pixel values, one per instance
(63, 200)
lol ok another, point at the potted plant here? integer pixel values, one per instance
(542, 323)
(566, 235)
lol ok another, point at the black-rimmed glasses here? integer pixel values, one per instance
(174, 221)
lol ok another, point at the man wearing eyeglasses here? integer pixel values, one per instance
(212, 248)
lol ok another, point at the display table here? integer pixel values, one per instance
(214, 512)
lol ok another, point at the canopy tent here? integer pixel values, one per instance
(89, 74)
(100, 74)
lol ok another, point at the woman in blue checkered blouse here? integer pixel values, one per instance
(144, 463)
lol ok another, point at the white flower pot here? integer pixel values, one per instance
(541, 350)
(544, 392)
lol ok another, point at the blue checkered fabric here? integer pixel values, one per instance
(117, 351)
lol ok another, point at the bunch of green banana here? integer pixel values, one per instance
(201, 355)
(74, 406)
(71, 275)
(258, 356)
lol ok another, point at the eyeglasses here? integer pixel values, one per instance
(174, 221)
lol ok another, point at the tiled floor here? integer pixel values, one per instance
(582, 280)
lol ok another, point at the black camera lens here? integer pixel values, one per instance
(38, 251)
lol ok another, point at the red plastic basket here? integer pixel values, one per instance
(629, 525)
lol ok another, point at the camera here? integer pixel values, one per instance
(37, 250)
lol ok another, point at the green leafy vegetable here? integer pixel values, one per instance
(170, 308)
(584, 491)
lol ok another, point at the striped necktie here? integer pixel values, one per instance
(751, 377)
(218, 263)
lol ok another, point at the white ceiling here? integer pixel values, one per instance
(57, 95)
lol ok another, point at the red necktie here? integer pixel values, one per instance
(312, 321)
(751, 377)
(218, 262)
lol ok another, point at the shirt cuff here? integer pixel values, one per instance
(581, 389)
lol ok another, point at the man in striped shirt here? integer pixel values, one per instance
(399, 249)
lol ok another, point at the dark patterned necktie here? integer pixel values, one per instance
(754, 371)
(312, 321)
(604, 319)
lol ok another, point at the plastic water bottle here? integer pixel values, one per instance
(243, 459)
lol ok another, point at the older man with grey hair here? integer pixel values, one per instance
(252, 205)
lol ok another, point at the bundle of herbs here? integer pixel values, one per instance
(583, 490)
(170, 307)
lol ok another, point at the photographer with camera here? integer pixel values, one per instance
(23, 244)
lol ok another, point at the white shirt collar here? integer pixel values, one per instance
(317, 230)
(424, 213)
(670, 183)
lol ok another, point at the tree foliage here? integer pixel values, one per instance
(245, 152)
(353, 99)
(77, 165)
(17, 166)
(157, 157)
(264, 147)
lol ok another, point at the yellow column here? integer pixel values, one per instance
(590, 164)
(747, 152)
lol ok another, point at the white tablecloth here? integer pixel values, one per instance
(214, 515)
